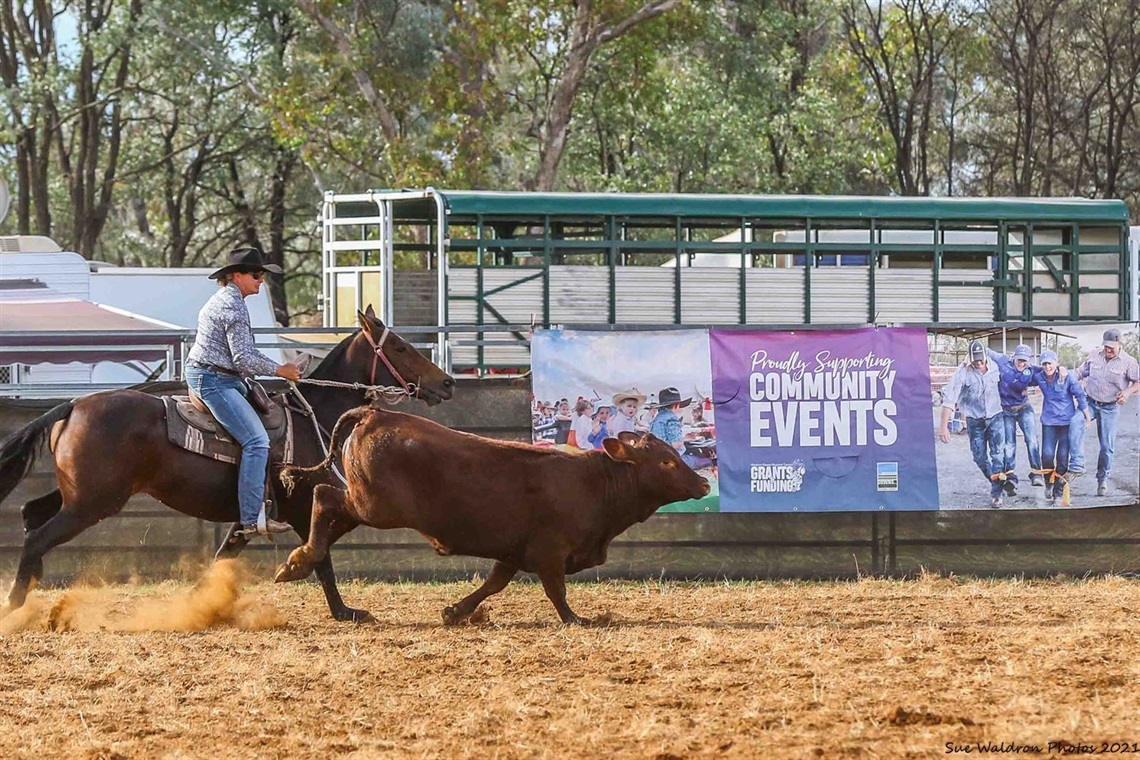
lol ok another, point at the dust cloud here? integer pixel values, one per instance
(217, 600)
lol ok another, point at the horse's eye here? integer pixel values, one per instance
(400, 349)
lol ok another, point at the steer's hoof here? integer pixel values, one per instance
(292, 572)
(349, 615)
(600, 621)
(452, 616)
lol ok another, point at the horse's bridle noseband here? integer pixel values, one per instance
(378, 354)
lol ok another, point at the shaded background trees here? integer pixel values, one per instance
(165, 133)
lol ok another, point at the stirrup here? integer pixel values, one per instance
(264, 526)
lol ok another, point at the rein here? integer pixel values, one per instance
(389, 394)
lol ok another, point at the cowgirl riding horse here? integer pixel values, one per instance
(223, 355)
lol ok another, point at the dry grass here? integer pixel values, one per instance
(873, 668)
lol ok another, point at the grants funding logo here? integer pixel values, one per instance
(777, 478)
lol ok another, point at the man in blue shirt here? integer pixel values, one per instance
(1016, 375)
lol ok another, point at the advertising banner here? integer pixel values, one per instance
(861, 419)
(824, 420)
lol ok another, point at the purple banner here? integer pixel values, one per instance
(834, 420)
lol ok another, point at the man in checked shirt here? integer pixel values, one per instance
(1110, 377)
(974, 389)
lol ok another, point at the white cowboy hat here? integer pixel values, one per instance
(632, 393)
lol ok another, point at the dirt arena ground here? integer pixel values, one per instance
(874, 668)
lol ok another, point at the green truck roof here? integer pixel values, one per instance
(469, 203)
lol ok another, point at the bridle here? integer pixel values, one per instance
(378, 355)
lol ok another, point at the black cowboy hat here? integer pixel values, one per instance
(246, 259)
(669, 396)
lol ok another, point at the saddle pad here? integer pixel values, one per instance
(190, 429)
(205, 421)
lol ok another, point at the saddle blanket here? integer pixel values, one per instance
(199, 432)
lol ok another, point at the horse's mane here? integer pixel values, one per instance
(333, 357)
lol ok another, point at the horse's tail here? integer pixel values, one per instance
(293, 477)
(18, 452)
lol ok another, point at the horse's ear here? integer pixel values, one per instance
(368, 319)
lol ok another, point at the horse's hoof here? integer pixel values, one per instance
(349, 615)
(292, 572)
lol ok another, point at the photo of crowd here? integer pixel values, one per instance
(582, 396)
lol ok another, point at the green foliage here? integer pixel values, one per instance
(1070, 353)
(1130, 343)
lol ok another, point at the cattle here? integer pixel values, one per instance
(530, 509)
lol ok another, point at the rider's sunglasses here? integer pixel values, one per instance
(258, 275)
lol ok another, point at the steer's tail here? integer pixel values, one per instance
(18, 452)
(294, 477)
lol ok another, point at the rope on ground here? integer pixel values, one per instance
(1053, 477)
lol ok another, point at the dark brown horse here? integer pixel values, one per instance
(113, 444)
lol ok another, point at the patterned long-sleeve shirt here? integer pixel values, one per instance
(1104, 378)
(225, 337)
(667, 426)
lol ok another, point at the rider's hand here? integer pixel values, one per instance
(289, 371)
(944, 435)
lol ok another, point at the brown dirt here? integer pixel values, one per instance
(871, 668)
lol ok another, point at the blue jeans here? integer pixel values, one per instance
(1055, 449)
(1026, 419)
(1106, 417)
(225, 397)
(987, 445)
(1077, 443)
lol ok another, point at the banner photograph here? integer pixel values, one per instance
(592, 385)
(865, 419)
(1026, 426)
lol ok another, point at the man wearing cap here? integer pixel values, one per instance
(974, 389)
(223, 353)
(1110, 377)
(1016, 376)
(1059, 393)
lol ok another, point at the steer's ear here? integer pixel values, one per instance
(618, 450)
(631, 438)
